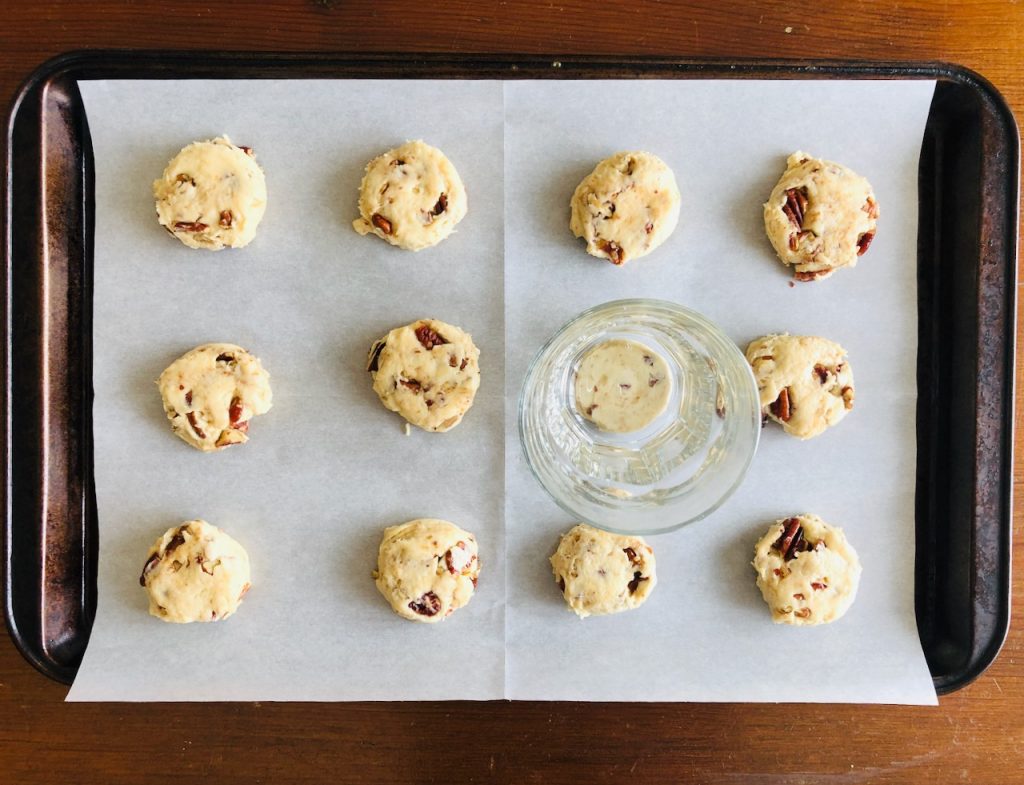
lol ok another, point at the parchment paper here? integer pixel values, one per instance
(328, 468)
(705, 632)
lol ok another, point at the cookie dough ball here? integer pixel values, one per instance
(212, 392)
(428, 372)
(212, 195)
(427, 569)
(622, 386)
(601, 573)
(195, 572)
(626, 207)
(805, 383)
(806, 570)
(820, 216)
(411, 196)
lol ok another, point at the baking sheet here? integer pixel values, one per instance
(329, 468)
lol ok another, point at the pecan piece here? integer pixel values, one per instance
(184, 178)
(190, 226)
(235, 412)
(791, 541)
(871, 208)
(453, 361)
(818, 586)
(226, 358)
(427, 605)
(615, 253)
(195, 426)
(863, 242)
(462, 365)
(634, 584)
(372, 364)
(225, 218)
(781, 408)
(652, 380)
(847, 393)
(428, 337)
(802, 613)
(631, 555)
(381, 223)
(246, 150)
(796, 206)
(810, 275)
(456, 558)
(176, 541)
(822, 372)
(648, 227)
(411, 384)
(151, 562)
(441, 206)
(188, 398)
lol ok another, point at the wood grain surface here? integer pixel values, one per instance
(976, 735)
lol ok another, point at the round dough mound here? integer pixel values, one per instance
(806, 570)
(428, 372)
(820, 216)
(411, 196)
(212, 195)
(195, 572)
(212, 392)
(622, 386)
(427, 569)
(626, 207)
(805, 383)
(601, 573)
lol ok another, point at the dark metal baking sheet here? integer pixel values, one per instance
(967, 244)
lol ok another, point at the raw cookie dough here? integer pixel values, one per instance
(626, 207)
(805, 383)
(212, 392)
(212, 195)
(411, 196)
(428, 372)
(622, 386)
(820, 216)
(427, 569)
(600, 572)
(195, 572)
(806, 571)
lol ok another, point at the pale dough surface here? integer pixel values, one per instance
(626, 207)
(428, 372)
(195, 572)
(622, 386)
(820, 216)
(600, 573)
(411, 196)
(212, 195)
(427, 569)
(211, 393)
(805, 383)
(818, 581)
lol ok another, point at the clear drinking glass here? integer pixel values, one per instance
(677, 469)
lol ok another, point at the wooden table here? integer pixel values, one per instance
(975, 735)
